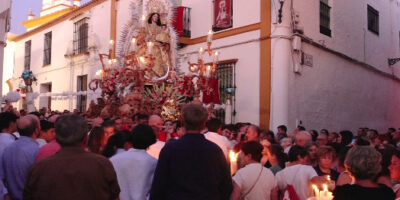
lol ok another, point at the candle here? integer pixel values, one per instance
(142, 21)
(324, 193)
(209, 36)
(133, 44)
(150, 47)
(201, 51)
(111, 44)
(216, 57)
(233, 161)
(142, 62)
(99, 73)
(110, 63)
(208, 71)
(316, 191)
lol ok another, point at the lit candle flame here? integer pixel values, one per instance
(142, 59)
(133, 40)
(111, 41)
(114, 60)
(232, 156)
(99, 72)
(325, 187)
(143, 18)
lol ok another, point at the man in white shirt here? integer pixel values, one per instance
(214, 135)
(156, 122)
(135, 168)
(298, 174)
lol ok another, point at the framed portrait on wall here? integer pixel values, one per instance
(222, 15)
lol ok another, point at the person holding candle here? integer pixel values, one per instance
(326, 156)
(253, 181)
(363, 164)
(298, 174)
(394, 169)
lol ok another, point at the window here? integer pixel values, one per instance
(373, 20)
(47, 49)
(81, 99)
(81, 36)
(225, 74)
(27, 62)
(324, 18)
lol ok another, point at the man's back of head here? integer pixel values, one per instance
(70, 130)
(27, 126)
(7, 122)
(214, 125)
(194, 117)
(155, 120)
(302, 138)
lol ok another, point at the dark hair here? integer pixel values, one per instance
(6, 118)
(116, 141)
(194, 117)
(213, 124)
(142, 136)
(29, 129)
(326, 150)
(347, 137)
(254, 148)
(108, 123)
(277, 150)
(270, 136)
(70, 130)
(158, 20)
(35, 113)
(324, 130)
(142, 116)
(301, 128)
(387, 152)
(95, 138)
(314, 135)
(283, 127)
(296, 151)
(362, 141)
(46, 125)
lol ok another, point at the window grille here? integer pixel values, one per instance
(373, 20)
(324, 18)
(81, 29)
(27, 61)
(225, 73)
(47, 49)
(81, 99)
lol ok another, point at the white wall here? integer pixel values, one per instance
(58, 73)
(248, 54)
(337, 93)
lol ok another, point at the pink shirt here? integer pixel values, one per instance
(48, 150)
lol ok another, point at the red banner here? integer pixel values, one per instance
(211, 94)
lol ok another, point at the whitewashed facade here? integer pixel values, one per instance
(349, 85)
(5, 12)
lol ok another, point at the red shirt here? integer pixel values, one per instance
(163, 137)
(48, 150)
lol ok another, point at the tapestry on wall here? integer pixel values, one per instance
(222, 14)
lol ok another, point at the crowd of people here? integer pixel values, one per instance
(63, 155)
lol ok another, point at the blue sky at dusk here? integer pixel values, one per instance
(20, 9)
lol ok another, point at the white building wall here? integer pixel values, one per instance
(247, 68)
(4, 6)
(58, 73)
(339, 93)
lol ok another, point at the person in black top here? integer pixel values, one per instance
(363, 164)
(192, 167)
(325, 158)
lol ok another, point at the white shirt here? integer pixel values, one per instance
(155, 149)
(247, 176)
(41, 142)
(135, 170)
(299, 176)
(220, 140)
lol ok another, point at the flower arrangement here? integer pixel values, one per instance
(28, 74)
